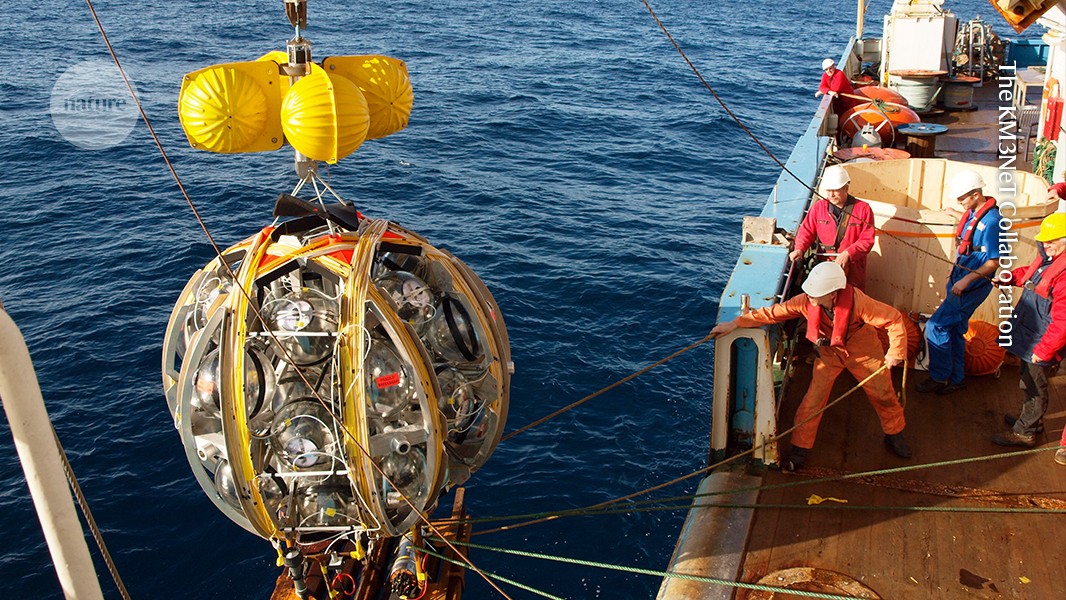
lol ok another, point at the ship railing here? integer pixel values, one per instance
(744, 406)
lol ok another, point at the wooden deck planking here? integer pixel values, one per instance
(911, 554)
(972, 135)
(921, 554)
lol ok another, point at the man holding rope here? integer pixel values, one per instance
(840, 225)
(969, 283)
(842, 322)
(1039, 332)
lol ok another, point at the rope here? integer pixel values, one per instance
(640, 571)
(247, 296)
(722, 102)
(733, 458)
(630, 377)
(767, 151)
(636, 506)
(83, 504)
(523, 586)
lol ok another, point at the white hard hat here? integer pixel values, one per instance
(824, 279)
(965, 182)
(834, 178)
(828, 63)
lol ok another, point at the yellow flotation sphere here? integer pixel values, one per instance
(231, 108)
(324, 118)
(385, 84)
(278, 58)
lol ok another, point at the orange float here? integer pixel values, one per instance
(984, 355)
(884, 117)
(876, 92)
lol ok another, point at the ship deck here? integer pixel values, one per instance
(950, 531)
(961, 519)
(972, 135)
(897, 533)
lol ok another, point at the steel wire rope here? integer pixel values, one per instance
(707, 468)
(637, 506)
(83, 504)
(629, 377)
(653, 572)
(247, 296)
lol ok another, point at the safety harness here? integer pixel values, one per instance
(1047, 278)
(964, 239)
(842, 224)
(841, 318)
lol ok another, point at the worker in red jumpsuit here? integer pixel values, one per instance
(834, 83)
(1057, 191)
(841, 225)
(1038, 332)
(842, 322)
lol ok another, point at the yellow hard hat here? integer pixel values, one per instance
(1052, 227)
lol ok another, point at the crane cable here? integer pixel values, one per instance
(218, 252)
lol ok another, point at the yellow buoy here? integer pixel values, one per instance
(232, 108)
(279, 58)
(324, 118)
(386, 86)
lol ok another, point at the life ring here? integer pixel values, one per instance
(884, 118)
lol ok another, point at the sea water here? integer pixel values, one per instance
(563, 149)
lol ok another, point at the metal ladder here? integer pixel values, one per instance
(976, 67)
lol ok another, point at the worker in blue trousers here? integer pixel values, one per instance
(970, 281)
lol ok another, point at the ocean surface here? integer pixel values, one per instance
(562, 149)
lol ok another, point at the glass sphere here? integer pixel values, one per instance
(298, 314)
(389, 388)
(207, 396)
(213, 286)
(451, 334)
(413, 297)
(258, 383)
(456, 395)
(325, 505)
(226, 485)
(406, 471)
(301, 435)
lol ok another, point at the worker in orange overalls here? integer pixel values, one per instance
(842, 322)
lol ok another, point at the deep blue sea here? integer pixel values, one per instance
(562, 149)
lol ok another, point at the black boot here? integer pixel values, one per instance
(796, 459)
(898, 445)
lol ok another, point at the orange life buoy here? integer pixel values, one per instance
(883, 116)
(984, 355)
